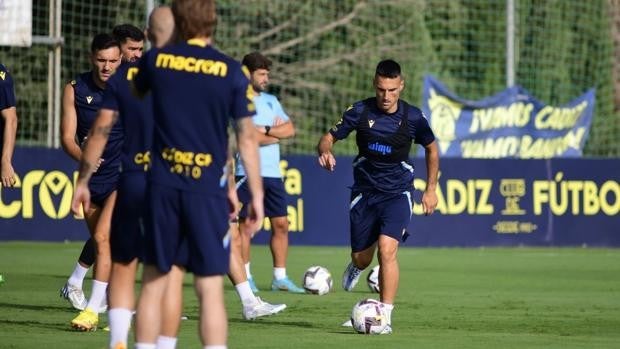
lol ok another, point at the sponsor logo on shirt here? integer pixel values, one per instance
(191, 64)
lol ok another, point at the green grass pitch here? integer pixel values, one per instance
(448, 298)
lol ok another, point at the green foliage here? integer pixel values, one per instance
(325, 53)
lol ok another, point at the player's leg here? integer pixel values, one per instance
(364, 235)
(126, 247)
(172, 305)
(162, 243)
(279, 253)
(246, 232)
(206, 226)
(122, 301)
(253, 306)
(275, 209)
(88, 319)
(73, 288)
(149, 312)
(395, 216)
(213, 321)
(389, 271)
(101, 236)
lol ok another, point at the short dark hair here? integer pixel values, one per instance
(122, 32)
(103, 41)
(388, 68)
(255, 61)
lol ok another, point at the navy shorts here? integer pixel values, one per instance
(126, 234)
(374, 214)
(275, 196)
(99, 192)
(188, 229)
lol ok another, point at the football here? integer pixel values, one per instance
(368, 317)
(317, 280)
(373, 279)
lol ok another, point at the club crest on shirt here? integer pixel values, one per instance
(89, 99)
(371, 123)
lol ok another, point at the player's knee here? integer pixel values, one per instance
(280, 226)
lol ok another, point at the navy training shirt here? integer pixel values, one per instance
(135, 116)
(374, 174)
(197, 90)
(87, 99)
(7, 97)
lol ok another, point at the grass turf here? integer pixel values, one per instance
(448, 298)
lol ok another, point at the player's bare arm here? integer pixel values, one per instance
(97, 139)
(10, 129)
(248, 148)
(324, 148)
(429, 198)
(68, 124)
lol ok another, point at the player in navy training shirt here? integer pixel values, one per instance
(197, 91)
(81, 100)
(8, 127)
(126, 240)
(381, 195)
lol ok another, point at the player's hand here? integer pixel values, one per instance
(327, 161)
(429, 202)
(256, 214)
(8, 175)
(81, 198)
(277, 121)
(99, 162)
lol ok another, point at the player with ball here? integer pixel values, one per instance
(381, 195)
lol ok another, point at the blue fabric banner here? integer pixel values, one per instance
(482, 202)
(510, 124)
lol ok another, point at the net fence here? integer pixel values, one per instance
(325, 51)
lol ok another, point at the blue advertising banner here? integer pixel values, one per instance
(510, 124)
(482, 202)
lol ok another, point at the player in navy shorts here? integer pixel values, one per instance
(197, 91)
(8, 127)
(381, 196)
(81, 100)
(273, 125)
(127, 220)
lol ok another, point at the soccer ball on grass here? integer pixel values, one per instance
(317, 280)
(368, 317)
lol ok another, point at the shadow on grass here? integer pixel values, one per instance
(39, 308)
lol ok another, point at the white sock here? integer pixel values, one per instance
(388, 312)
(212, 347)
(247, 270)
(97, 295)
(279, 273)
(77, 277)
(145, 346)
(119, 320)
(245, 293)
(164, 342)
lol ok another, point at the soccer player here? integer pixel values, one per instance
(126, 234)
(381, 204)
(81, 100)
(131, 39)
(196, 90)
(272, 125)
(8, 127)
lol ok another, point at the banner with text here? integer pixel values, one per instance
(510, 124)
(501, 202)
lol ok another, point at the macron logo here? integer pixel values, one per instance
(89, 99)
